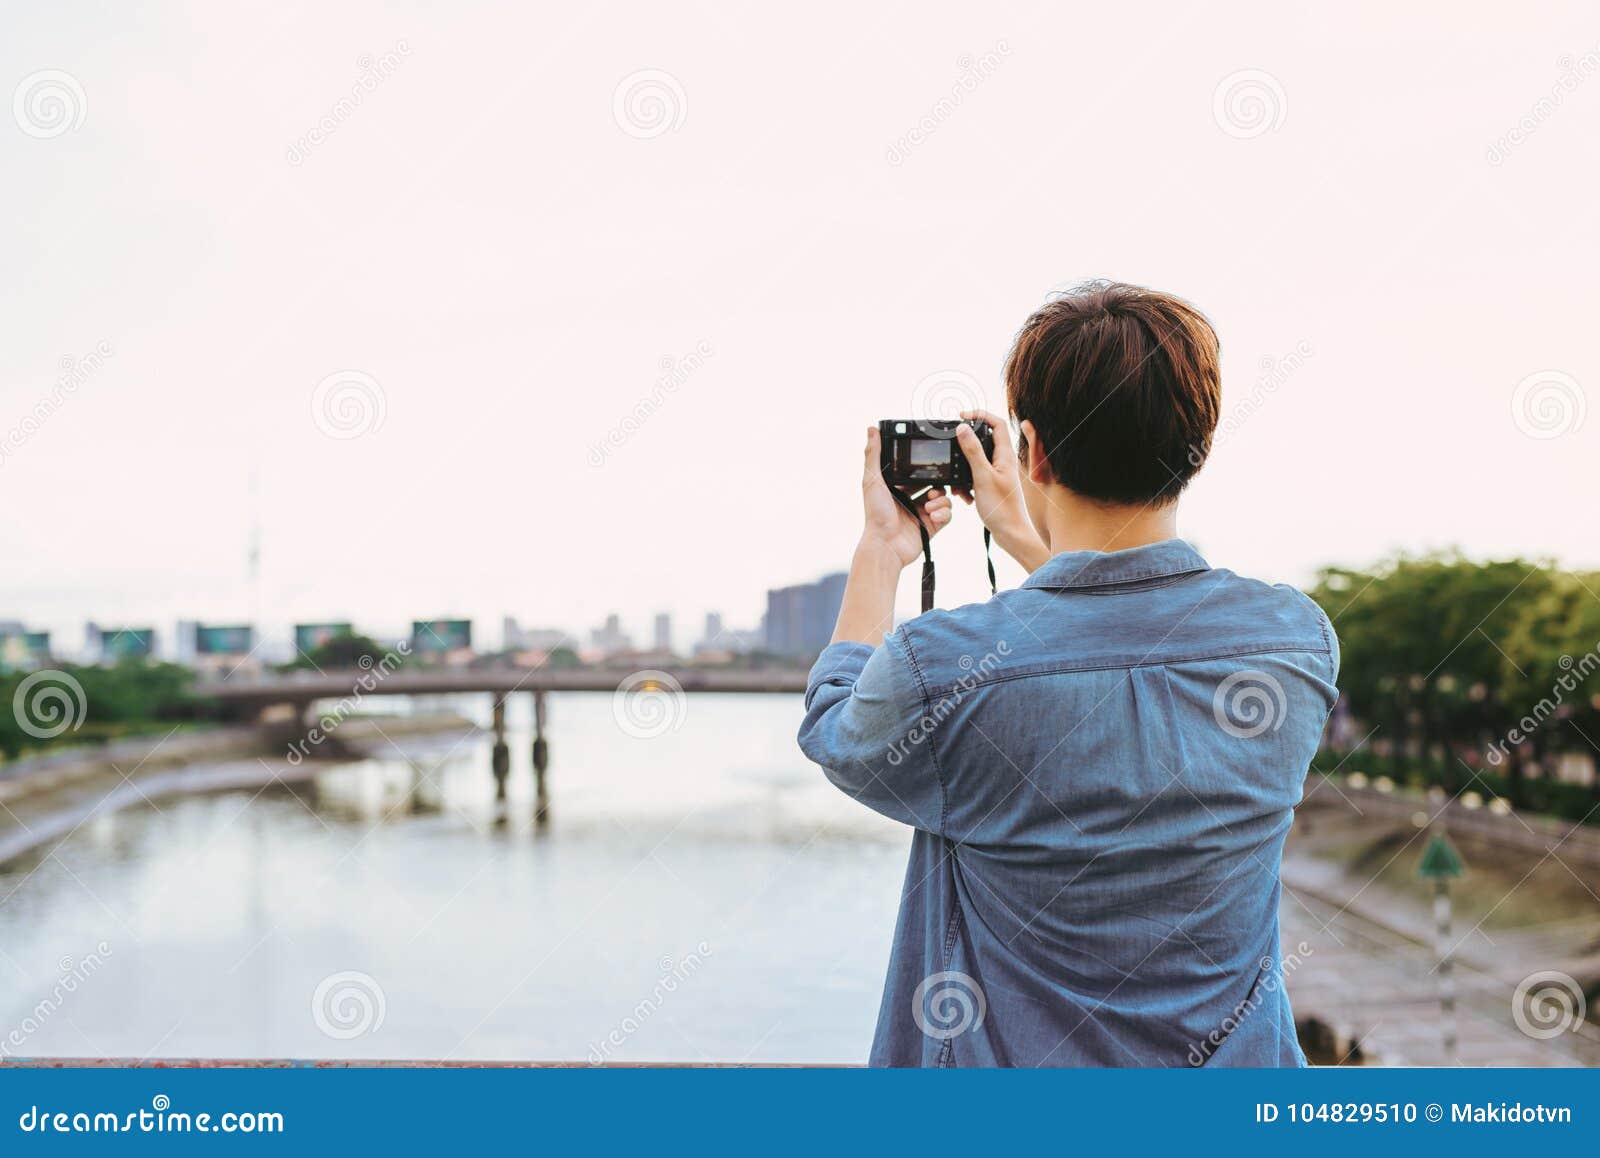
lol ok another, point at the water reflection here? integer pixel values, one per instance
(482, 934)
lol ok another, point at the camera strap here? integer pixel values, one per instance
(910, 507)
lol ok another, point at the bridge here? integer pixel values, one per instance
(292, 695)
(253, 693)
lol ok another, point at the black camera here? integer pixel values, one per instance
(923, 452)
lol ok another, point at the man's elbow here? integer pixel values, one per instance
(846, 758)
(849, 735)
(836, 765)
(812, 738)
(826, 742)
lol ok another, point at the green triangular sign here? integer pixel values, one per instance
(1440, 860)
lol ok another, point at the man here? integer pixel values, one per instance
(1101, 765)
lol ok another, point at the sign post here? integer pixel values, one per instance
(1441, 864)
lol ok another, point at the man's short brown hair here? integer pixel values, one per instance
(1123, 387)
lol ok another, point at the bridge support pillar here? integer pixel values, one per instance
(541, 762)
(501, 760)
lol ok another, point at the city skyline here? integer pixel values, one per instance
(803, 630)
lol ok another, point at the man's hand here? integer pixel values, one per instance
(997, 491)
(889, 541)
(889, 528)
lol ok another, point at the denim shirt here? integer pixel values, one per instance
(1100, 768)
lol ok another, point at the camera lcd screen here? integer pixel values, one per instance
(929, 451)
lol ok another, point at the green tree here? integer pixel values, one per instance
(1552, 673)
(563, 657)
(1423, 643)
(76, 705)
(342, 652)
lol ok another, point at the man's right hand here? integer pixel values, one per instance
(997, 491)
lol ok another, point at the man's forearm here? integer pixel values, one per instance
(867, 613)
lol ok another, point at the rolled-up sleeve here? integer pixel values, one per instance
(866, 726)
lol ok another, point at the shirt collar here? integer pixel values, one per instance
(1105, 569)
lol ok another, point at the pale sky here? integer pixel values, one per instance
(506, 241)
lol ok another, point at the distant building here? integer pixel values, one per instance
(233, 639)
(663, 632)
(800, 619)
(515, 637)
(312, 637)
(547, 639)
(225, 648)
(610, 638)
(114, 644)
(21, 648)
(722, 642)
(442, 640)
(510, 634)
(185, 649)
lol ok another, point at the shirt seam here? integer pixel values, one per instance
(1129, 666)
(1327, 643)
(933, 741)
(1174, 576)
(951, 931)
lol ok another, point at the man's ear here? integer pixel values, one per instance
(1034, 460)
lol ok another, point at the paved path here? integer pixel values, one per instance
(1374, 983)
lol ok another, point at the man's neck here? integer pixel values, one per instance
(1074, 523)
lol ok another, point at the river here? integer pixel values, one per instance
(700, 894)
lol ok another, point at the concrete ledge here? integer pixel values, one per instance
(100, 1063)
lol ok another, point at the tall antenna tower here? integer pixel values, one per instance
(253, 563)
